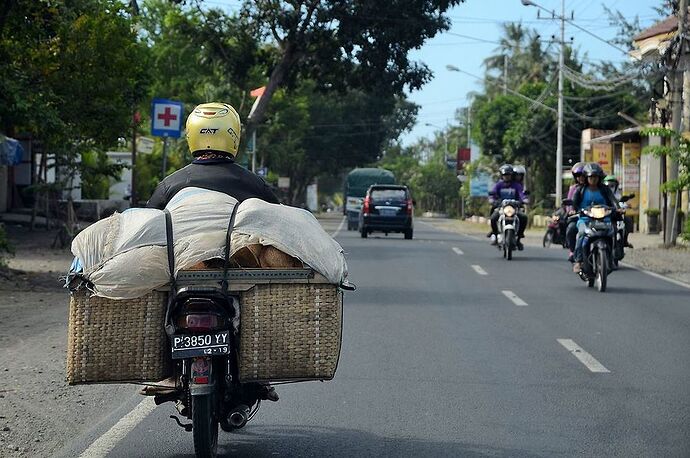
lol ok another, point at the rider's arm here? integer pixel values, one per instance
(159, 198)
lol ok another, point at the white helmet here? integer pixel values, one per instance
(519, 170)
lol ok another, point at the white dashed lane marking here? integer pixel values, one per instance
(585, 358)
(458, 250)
(514, 297)
(479, 269)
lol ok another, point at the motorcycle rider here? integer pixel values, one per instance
(507, 188)
(593, 193)
(571, 230)
(612, 182)
(213, 135)
(519, 173)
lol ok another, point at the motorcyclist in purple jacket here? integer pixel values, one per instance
(507, 188)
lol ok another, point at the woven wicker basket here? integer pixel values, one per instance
(117, 341)
(290, 331)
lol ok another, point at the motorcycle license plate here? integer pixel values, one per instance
(601, 226)
(187, 346)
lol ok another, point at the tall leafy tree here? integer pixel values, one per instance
(340, 44)
(313, 133)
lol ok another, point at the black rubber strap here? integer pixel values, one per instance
(228, 243)
(170, 244)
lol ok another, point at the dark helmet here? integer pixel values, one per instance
(506, 169)
(593, 169)
(577, 168)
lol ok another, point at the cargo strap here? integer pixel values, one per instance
(228, 243)
(170, 244)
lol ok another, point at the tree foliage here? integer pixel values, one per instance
(345, 44)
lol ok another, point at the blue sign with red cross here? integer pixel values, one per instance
(166, 118)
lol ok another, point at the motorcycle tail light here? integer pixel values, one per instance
(508, 210)
(197, 322)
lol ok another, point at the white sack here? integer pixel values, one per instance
(125, 256)
(293, 231)
(200, 223)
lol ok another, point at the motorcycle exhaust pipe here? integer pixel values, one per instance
(238, 416)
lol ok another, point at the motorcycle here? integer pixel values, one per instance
(555, 232)
(597, 246)
(508, 227)
(203, 325)
(619, 242)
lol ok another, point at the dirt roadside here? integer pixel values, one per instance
(39, 412)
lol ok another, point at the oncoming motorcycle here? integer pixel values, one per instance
(508, 227)
(597, 246)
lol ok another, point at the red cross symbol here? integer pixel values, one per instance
(167, 116)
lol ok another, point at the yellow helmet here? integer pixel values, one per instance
(214, 127)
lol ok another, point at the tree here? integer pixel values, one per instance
(72, 73)
(313, 133)
(341, 44)
(677, 149)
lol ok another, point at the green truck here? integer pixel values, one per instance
(356, 185)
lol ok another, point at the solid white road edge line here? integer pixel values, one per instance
(656, 275)
(340, 228)
(479, 269)
(585, 358)
(514, 297)
(458, 250)
(107, 442)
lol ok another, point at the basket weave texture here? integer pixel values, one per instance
(117, 340)
(290, 332)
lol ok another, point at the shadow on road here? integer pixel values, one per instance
(270, 441)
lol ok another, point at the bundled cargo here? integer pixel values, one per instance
(121, 276)
(125, 256)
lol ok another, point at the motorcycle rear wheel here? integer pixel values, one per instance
(204, 426)
(509, 243)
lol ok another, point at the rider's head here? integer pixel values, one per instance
(213, 128)
(612, 182)
(506, 171)
(594, 173)
(577, 170)
(519, 171)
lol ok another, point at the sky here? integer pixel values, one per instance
(480, 21)
(483, 19)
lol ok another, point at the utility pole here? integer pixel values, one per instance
(561, 64)
(133, 195)
(505, 74)
(559, 133)
(670, 233)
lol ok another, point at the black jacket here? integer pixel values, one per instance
(611, 200)
(222, 175)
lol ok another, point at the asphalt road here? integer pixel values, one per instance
(451, 351)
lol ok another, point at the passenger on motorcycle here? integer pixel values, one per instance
(519, 173)
(506, 189)
(612, 182)
(571, 230)
(593, 193)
